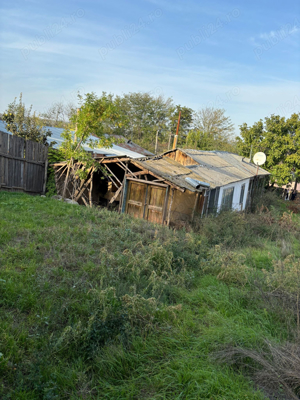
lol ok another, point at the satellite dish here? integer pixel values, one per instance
(259, 158)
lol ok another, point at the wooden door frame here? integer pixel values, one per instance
(145, 202)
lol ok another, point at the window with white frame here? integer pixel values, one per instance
(227, 198)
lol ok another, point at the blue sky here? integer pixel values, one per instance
(241, 56)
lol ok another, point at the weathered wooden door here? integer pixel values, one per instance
(146, 201)
(136, 199)
(155, 204)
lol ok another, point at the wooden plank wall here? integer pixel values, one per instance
(22, 164)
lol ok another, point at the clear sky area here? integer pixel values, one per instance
(242, 56)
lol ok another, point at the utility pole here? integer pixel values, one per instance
(176, 136)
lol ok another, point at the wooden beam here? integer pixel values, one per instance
(22, 159)
(121, 166)
(159, 177)
(108, 161)
(82, 183)
(143, 172)
(165, 205)
(115, 195)
(146, 182)
(170, 207)
(66, 182)
(195, 205)
(113, 174)
(91, 189)
(123, 189)
(86, 183)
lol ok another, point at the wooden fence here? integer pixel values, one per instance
(23, 164)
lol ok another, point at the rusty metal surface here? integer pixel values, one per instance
(219, 168)
(170, 170)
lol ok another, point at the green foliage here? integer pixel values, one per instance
(142, 116)
(98, 305)
(20, 122)
(59, 114)
(95, 112)
(54, 156)
(212, 131)
(279, 139)
(186, 120)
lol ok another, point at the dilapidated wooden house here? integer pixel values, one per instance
(173, 187)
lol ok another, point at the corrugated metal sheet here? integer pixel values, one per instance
(170, 170)
(129, 145)
(219, 168)
(115, 150)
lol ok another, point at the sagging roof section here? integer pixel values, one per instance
(171, 171)
(219, 168)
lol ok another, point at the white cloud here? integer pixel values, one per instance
(280, 34)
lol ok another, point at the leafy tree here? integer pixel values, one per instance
(142, 116)
(212, 131)
(59, 114)
(186, 119)
(251, 137)
(279, 139)
(94, 113)
(21, 122)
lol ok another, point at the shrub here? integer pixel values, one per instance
(228, 265)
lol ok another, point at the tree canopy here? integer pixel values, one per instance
(279, 139)
(142, 116)
(59, 114)
(212, 130)
(20, 121)
(95, 113)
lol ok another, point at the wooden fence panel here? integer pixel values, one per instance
(23, 164)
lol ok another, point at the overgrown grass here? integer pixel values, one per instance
(97, 305)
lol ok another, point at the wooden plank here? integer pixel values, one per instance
(195, 205)
(159, 177)
(165, 204)
(145, 202)
(115, 195)
(3, 163)
(146, 182)
(107, 167)
(21, 159)
(45, 176)
(170, 207)
(21, 163)
(83, 188)
(91, 189)
(143, 172)
(104, 161)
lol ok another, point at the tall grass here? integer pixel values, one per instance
(97, 305)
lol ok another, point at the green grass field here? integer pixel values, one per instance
(97, 305)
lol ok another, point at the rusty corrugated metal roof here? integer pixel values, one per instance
(219, 168)
(169, 170)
